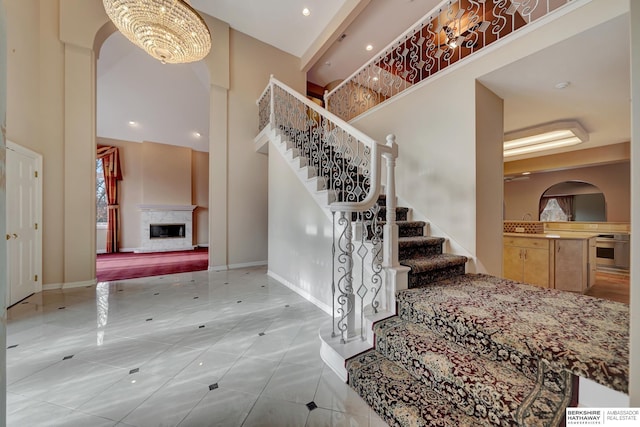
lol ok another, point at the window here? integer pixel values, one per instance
(101, 195)
(553, 212)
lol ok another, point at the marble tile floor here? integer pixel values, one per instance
(232, 348)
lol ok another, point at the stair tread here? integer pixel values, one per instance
(407, 223)
(420, 241)
(399, 398)
(479, 386)
(433, 262)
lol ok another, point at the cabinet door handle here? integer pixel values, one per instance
(520, 254)
(8, 236)
(525, 254)
(559, 248)
(15, 236)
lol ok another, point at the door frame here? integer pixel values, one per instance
(37, 158)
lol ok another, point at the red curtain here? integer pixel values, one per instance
(112, 174)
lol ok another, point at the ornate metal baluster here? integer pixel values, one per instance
(375, 235)
(362, 253)
(345, 282)
(333, 276)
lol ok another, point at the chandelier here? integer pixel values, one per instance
(169, 30)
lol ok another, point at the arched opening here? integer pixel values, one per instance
(158, 117)
(572, 201)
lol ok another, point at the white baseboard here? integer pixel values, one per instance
(54, 286)
(237, 266)
(304, 294)
(593, 395)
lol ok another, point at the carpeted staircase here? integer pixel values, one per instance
(417, 376)
(477, 350)
(469, 349)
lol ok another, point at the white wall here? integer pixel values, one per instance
(300, 234)
(634, 348)
(251, 63)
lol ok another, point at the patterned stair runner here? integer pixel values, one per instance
(521, 324)
(418, 376)
(399, 398)
(489, 390)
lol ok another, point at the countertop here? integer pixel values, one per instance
(555, 235)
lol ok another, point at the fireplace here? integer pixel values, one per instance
(166, 231)
(166, 228)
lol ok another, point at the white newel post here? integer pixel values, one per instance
(396, 275)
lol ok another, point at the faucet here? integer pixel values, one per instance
(524, 217)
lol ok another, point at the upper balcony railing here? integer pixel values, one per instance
(452, 31)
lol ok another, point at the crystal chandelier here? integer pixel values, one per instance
(169, 30)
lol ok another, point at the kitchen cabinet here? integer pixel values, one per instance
(528, 260)
(564, 261)
(574, 264)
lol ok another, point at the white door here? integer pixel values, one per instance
(23, 223)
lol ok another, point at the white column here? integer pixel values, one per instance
(218, 185)
(79, 159)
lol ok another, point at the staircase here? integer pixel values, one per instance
(438, 347)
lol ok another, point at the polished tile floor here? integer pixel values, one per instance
(232, 348)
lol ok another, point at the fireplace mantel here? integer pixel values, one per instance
(167, 207)
(153, 215)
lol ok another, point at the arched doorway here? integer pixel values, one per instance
(572, 201)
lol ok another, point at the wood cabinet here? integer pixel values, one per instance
(574, 264)
(563, 263)
(528, 260)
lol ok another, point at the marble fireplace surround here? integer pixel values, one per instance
(166, 214)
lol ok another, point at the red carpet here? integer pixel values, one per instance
(129, 265)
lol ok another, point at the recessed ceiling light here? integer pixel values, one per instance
(328, 64)
(375, 79)
(526, 173)
(369, 47)
(562, 85)
(306, 11)
(133, 123)
(197, 134)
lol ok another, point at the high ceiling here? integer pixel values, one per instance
(596, 63)
(275, 21)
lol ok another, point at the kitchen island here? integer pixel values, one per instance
(558, 260)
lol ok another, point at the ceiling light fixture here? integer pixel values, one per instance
(306, 11)
(369, 47)
(132, 123)
(544, 137)
(169, 30)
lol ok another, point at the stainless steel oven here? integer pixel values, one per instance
(612, 250)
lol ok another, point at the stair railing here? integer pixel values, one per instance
(450, 32)
(347, 164)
